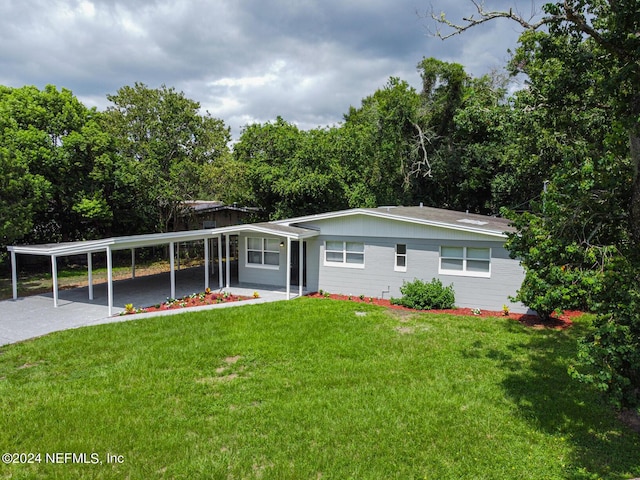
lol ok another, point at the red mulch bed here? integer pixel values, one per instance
(197, 300)
(557, 323)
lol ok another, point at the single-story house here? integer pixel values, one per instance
(372, 251)
(361, 251)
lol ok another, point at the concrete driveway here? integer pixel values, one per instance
(34, 316)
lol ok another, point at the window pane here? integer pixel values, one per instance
(477, 266)
(455, 252)
(333, 245)
(254, 243)
(450, 264)
(401, 249)
(401, 261)
(355, 258)
(334, 257)
(272, 244)
(271, 258)
(254, 257)
(355, 247)
(478, 253)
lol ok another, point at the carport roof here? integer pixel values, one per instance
(148, 240)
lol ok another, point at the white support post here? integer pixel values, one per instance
(133, 263)
(288, 268)
(178, 250)
(206, 263)
(109, 281)
(300, 266)
(90, 275)
(227, 266)
(213, 262)
(220, 261)
(14, 275)
(54, 276)
(172, 266)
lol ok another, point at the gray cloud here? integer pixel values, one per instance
(244, 61)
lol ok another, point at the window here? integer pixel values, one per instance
(344, 254)
(263, 252)
(469, 261)
(401, 258)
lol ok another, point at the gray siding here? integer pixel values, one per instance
(277, 277)
(379, 279)
(313, 264)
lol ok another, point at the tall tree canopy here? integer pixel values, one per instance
(581, 243)
(168, 141)
(291, 172)
(41, 133)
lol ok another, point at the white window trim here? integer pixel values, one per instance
(464, 272)
(396, 267)
(262, 265)
(344, 263)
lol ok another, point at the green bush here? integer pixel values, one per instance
(425, 296)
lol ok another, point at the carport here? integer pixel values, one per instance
(109, 245)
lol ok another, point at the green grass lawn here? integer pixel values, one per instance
(308, 389)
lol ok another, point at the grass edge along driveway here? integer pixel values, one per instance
(310, 388)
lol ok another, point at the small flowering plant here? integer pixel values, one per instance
(476, 311)
(193, 300)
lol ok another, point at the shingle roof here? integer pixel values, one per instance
(424, 215)
(448, 217)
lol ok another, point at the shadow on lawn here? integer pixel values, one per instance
(553, 402)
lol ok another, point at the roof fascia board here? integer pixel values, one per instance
(265, 230)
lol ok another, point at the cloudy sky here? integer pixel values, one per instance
(245, 61)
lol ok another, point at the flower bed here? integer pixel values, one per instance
(194, 300)
(559, 323)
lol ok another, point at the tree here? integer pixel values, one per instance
(583, 239)
(22, 195)
(38, 131)
(390, 129)
(291, 172)
(468, 118)
(167, 142)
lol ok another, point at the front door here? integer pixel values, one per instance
(295, 263)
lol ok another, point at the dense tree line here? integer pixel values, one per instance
(70, 172)
(460, 142)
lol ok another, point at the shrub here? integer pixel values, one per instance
(425, 296)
